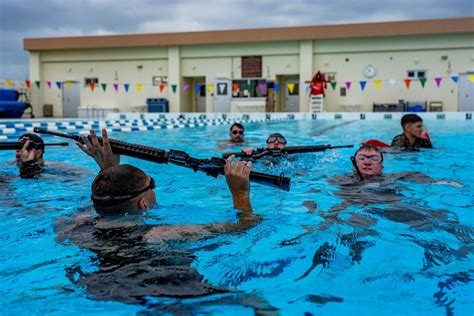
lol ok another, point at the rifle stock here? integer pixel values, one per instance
(213, 166)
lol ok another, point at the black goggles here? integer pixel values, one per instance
(238, 132)
(275, 139)
(112, 200)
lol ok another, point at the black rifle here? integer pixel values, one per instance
(262, 152)
(212, 166)
(19, 145)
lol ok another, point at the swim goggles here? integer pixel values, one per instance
(112, 200)
(274, 139)
(235, 132)
(373, 158)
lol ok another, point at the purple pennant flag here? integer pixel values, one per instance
(455, 79)
(348, 85)
(362, 85)
(438, 81)
(276, 86)
(262, 87)
(198, 88)
(186, 86)
(126, 86)
(58, 84)
(116, 86)
(49, 84)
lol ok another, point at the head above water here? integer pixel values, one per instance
(369, 160)
(34, 138)
(276, 141)
(412, 125)
(236, 133)
(122, 188)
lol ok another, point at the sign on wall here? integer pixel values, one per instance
(252, 67)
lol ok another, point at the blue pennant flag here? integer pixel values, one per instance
(362, 85)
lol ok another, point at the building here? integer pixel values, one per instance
(371, 66)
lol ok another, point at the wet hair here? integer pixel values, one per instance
(34, 138)
(409, 119)
(116, 182)
(237, 125)
(369, 148)
(276, 135)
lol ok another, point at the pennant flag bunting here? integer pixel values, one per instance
(277, 87)
(174, 87)
(291, 87)
(262, 87)
(210, 87)
(198, 88)
(116, 86)
(69, 85)
(438, 81)
(471, 78)
(392, 82)
(423, 82)
(378, 83)
(139, 87)
(126, 86)
(49, 84)
(333, 85)
(348, 85)
(104, 86)
(248, 87)
(38, 83)
(8, 82)
(28, 83)
(58, 84)
(186, 86)
(92, 86)
(455, 79)
(407, 83)
(362, 85)
(162, 87)
(221, 88)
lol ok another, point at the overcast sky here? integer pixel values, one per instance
(21, 19)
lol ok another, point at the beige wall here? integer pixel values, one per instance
(392, 57)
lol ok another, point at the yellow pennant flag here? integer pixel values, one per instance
(471, 78)
(291, 87)
(69, 85)
(210, 87)
(377, 84)
(139, 87)
(8, 82)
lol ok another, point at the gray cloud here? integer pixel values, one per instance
(24, 19)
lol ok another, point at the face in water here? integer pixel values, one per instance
(236, 134)
(276, 142)
(415, 129)
(369, 163)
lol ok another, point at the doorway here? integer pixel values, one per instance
(222, 95)
(465, 93)
(71, 98)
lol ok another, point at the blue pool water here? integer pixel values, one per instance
(321, 249)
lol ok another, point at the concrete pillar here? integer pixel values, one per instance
(35, 75)
(174, 78)
(306, 72)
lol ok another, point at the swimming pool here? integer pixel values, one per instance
(408, 251)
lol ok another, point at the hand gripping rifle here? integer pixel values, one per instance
(212, 166)
(32, 145)
(262, 152)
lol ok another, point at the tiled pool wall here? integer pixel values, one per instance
(130, 122)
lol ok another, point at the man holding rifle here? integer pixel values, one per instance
(30, 158)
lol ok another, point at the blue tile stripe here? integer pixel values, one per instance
(11, 130)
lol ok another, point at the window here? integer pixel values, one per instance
(252, 88)
(416, 74)
(157, 80)
(88, 81)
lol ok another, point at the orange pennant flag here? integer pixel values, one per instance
(235, 87)
(378, 83)
(28, 83)
(407, 83)
(92, 86)
(162, 87)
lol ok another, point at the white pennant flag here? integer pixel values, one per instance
(221, 87)
(392, 82)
